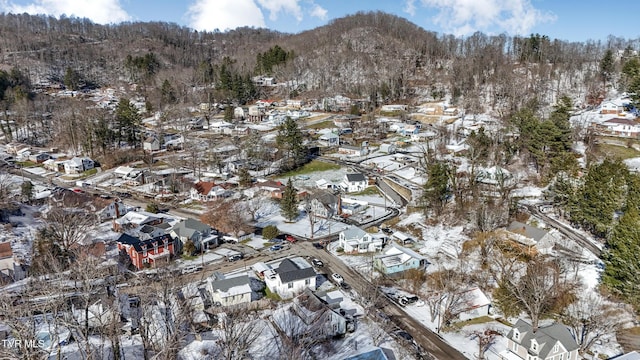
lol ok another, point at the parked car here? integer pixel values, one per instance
(276, 241)
(318, 245)
(337, 278)
(290, 239)
(317, 262)
(276, 248)
(191, 269)
(345, 286)
(234, 257)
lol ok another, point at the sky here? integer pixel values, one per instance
(572, 20)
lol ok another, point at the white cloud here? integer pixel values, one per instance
(410, 7)
(464, 17)
(99, 11)
(286, 6)
(319, 12)
(224, 14)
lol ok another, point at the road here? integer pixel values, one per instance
(426, 338)
(566, 231)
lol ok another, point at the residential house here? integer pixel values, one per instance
(207, 191)
(133, 219)
(550, 342)
(318, 318)
(146, 252)
(256, 113)
(619, 127)
(394, 108)
(353, 150)
(611, 107)
(354, 183)
(329, 139)
(533, 237)
(274, 188)
(371, 353)
(227, 291)
(201, 234)
(325, 204)
(470, 304)
(39, 158)
(295, 103)
(396, 259)
(451, 111)
(290, 277)
(355, 240)
(123, 171)
(114, 210)
(151, 144)
(147, 232)
(78, 165)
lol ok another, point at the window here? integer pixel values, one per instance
(562, 357)
(516, 334)
(556, 348)
(290, 285)
(534, 345)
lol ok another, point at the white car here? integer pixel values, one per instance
(337, 278)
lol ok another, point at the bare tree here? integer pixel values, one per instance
(239, 329)
(308, 208)
(538, 289)
(485, 339)
(590, 318)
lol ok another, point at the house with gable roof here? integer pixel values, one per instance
(325, 204)
(78, 165)
(143, 252)
(208, 191)
(619, 127)
(201, 234)
(355, 240)
(354, 182)
(290, 277)
(533, 237)
(396, 259)
(227, 291)
(551, 342)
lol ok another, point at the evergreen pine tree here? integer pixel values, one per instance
(437, 190)
(622, 268)
(289, 202)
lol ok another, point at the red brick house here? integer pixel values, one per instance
(143, 252)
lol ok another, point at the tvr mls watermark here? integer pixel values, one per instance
(22, 344)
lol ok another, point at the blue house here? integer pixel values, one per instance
(396, 259)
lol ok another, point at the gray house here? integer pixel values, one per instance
(548, 342)
(201, 234)
(533, 237)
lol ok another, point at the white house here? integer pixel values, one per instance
(355, 240)
(394, 108)
(226, 291)
(354, 183)
(532, 236)
(550, 342)
(611, 107)
(201, 234)
(473, 303)
(114, 210)
(353, 150)
(207, 191)
(78, 165)
(324, 204)
(620, 127)
(151, 144)
(290, 277)
(329, 139)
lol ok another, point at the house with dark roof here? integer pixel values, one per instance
(533, 237)
(550, 342)
(226, 291)
(146, 252)
(619, 127)
(201, 234)
(325, 204)
(291, 276)
(355, 240)
(354, 183)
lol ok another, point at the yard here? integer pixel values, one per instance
(620, 152)
(311, 167)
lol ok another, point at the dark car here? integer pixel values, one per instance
(317, 262)
(318, 245)
(345, 286)
(234, 257)
(275, 248)
(403, 335)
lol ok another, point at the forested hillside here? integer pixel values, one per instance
(374, 55)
